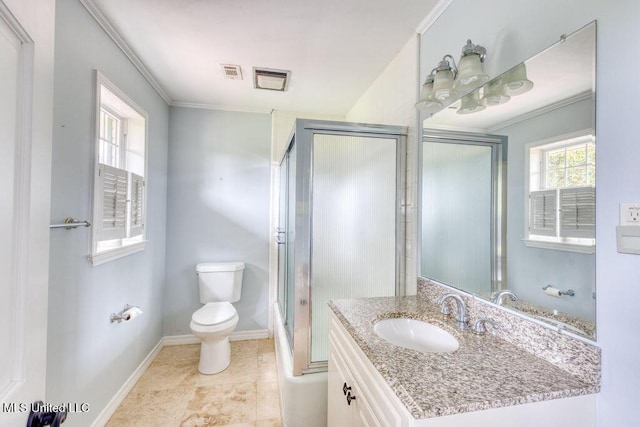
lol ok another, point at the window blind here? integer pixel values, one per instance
(578, 212)
(137, 205)
(543, 212)
(114, 183)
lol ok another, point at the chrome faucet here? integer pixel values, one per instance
(461, 309)
(497, 298)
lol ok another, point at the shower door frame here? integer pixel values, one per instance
(303, 136)
(498, 244)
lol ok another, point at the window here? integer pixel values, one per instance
(119, 180)
(561, 200)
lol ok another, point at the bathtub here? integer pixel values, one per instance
(303, 398)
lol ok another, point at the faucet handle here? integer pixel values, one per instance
(479, 327)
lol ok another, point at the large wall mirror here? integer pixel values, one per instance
(508, 188)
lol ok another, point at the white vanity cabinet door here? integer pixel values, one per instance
(347, 404)
(375, 403)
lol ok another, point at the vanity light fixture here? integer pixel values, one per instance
(470, 73)
(446, 82)
(444, 79)
(470, 103)
(428, 103)
(492, 93)
(515, 82)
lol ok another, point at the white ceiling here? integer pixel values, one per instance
(334, 49)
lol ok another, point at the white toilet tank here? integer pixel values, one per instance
(220, 281)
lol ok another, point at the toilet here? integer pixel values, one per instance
(220, 284)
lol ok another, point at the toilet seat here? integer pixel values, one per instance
(214, 313)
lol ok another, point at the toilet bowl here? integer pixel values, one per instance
(219, 284)
(213, 324)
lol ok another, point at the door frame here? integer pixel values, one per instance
(31, 23)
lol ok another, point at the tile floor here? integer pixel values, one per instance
(173, 393)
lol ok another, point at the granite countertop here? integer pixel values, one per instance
(485, 372)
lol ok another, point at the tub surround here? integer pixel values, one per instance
(486, 372)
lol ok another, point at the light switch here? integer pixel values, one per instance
(628, 239)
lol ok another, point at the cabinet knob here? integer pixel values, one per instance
(345, 389)
(350, 398)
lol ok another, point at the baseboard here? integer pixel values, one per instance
(258, 334)
(180, 340)
(121, 394)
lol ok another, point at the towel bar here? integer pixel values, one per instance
(70, 223)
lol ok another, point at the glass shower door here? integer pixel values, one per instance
(341, 226)
(353, 225)
(285, 238)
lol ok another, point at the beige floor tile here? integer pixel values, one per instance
(178, 352)
(267, 367)
(268, 405)
(221, 405)
(152, 408)
(269, 423)
(168, 375)
(173, 393)
(244, 348)
(266, 346)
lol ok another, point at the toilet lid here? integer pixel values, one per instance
(213, 313)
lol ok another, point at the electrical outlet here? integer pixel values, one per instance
(630, 214)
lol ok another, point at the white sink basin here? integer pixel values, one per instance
(416, 335)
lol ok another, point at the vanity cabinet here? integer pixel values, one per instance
(349, 377)
(348, 403)
(358, 395)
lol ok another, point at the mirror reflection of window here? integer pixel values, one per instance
(562, 191)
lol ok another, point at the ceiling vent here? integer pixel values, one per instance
(231, 71)
(269, 79)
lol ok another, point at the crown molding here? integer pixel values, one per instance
(433, 16)
(122, 44)
(222, 107)
(588, 94)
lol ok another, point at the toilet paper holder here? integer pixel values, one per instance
(553, 291)
(128, 313)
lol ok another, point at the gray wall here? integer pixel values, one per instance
(218, 192)
(89, 359)
(513, 30)
(530, 269)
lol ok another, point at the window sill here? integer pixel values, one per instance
(560, 246)
(115, 253)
